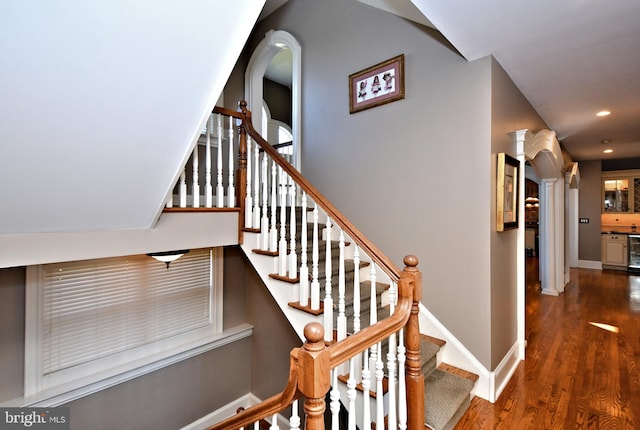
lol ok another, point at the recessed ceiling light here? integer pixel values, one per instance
(605, 141)
(608, 151)
(603, 113)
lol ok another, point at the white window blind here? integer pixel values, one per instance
(95, 314)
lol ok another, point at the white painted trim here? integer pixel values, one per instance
(282, 294)
(520, 264)
(222, 413)
(490, 384)
(229, 410)
(589, 264)
(49, 399)
(172, 231)
(505, 370)
(456, 354)
(273, 42)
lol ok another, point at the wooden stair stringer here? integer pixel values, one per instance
(282, 292)
(455, 354)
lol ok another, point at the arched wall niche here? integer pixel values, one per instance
(273, 42)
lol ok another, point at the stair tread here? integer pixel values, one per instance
(444, 394)
(472, 377)
(434, 340)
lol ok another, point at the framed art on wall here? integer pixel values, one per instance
(376, 85)
(507, 192)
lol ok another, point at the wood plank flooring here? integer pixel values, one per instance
(576, 375)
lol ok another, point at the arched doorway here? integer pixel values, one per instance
(274, 42)
(558, 208)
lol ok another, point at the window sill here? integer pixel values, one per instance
(63, 394)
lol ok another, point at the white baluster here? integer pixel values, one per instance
(373, 312)
(264, 225)
(282, 244)
(304, 270)
(356, 289)
(391, 367)
(315, 283)
(274, 422)
(208, 188)
(195, 180)
(182, 191)
(328, 299)
(379, 389)
(366, 393)
(256, 425)
(293, 256)
(219, 187)
(273, 231)
(231, 185)
(335, 401)
(356, 307)
(248, 200)
(169, 203)
(294, 421)
(351, 395)
(256, 200)
(341, 321)
(402, 385)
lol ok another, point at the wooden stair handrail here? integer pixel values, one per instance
(269, 407)
(310, 365)
(368, 336)
(384, 262)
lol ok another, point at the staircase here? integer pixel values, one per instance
(447, 389)
(355, 310)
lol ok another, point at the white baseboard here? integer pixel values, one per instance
(456, 354)
(222, 413)
(490, 384)
(589, 264)
(504, 371)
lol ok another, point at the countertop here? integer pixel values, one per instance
(620, 229)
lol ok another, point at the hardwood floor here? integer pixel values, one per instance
(576, 375)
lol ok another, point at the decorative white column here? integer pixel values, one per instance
(547, 236)
(559, 235)
(520, 264)
(572, 199)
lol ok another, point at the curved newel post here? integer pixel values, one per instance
(414, 378)
(314, 373)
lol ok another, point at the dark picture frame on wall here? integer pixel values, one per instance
(508, 171)
(377, 85)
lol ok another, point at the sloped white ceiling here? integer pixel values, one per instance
(100, 103)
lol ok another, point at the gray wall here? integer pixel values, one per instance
(589, 207)
(181, 393)
(413, 175)
(12, 333)
(510, 111)
(273, 337)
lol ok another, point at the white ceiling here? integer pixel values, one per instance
(570, 58)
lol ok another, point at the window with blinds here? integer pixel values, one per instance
(86, 317)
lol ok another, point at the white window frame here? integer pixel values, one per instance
(68, 384)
